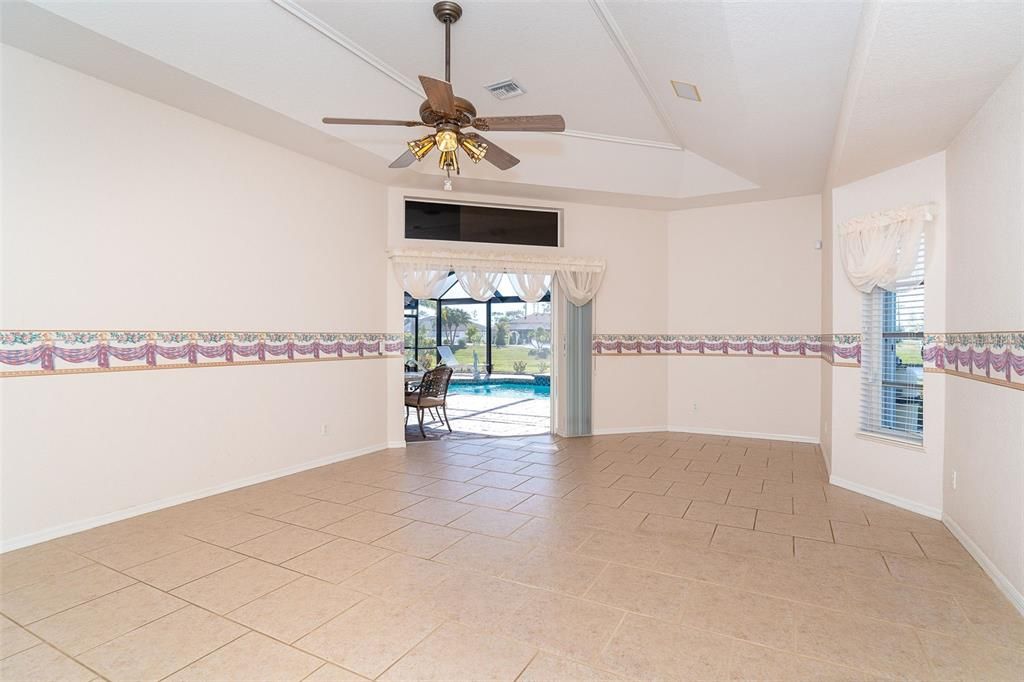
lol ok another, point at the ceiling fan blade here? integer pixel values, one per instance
(404, 160)
(546, 123)
(440, 95)
(371, 122)
(495, 154)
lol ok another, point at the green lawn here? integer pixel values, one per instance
(909, 352)
(504, 357)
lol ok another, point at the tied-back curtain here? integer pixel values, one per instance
(578, 369)
(579, 286)
(422, 280)
(881, 249)
(480, 284)
(530, 286)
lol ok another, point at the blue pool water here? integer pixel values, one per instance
(500, 390)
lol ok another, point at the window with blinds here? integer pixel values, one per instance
(892, 370)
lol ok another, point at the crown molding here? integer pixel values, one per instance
(635, 141)
(344, 41)
(622, 45)
(412, 86)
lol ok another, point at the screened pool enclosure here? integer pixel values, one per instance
(504, 335)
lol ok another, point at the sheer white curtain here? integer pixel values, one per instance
(530, 286)
(480, 284)
(579, 286)
(425, 274)
(881, 249)
(423, 280)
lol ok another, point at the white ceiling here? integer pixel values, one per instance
(779, 92)
(925, 69)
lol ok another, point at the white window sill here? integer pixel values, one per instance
(891, 440)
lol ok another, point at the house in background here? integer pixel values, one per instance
(533, 329)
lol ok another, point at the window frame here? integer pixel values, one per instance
(559, 213)
(882, 329)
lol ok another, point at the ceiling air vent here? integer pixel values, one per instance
(686, 90)
(505, 89)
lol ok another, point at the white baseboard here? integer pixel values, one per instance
(744, 434)
(1001, 581)
(137, 510)
(392, 444)
(902, 503)
(706, 432)
(627, 429)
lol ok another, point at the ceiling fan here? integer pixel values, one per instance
(448, 115)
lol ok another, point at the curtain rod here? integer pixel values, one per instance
(505, 260)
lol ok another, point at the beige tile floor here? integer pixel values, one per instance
(656, 556)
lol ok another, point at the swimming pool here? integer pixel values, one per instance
(501, 389)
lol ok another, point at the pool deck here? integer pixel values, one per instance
(481, 416)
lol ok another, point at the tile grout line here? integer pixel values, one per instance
(235, 639)
(533, 658)
(44, 642)
(408, 651)
(615, 631)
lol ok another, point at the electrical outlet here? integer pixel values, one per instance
(323, 429)
(954, 479)
(695, 407)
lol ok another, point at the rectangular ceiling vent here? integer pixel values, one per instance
(506, 89)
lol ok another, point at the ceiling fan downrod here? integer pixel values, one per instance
(447, 13)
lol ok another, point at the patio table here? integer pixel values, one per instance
(413, 378)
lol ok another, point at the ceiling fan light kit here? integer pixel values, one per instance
(448, 115)
(422, 146)
(474, 150)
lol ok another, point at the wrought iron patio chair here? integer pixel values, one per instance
(432, 394)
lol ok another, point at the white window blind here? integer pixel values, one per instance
(892, 371)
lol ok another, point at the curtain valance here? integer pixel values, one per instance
(499, 261)
(880, 249)
(425, 274)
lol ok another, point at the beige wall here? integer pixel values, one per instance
(985, 423)
(122, 213)
(910, 477)
(745, 269)
(633, 297)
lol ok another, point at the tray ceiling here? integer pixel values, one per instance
(773, 77)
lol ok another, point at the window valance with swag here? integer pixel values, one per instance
(427, 274)
(880, 249)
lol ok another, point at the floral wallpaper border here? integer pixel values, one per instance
(836, 349)
(995, 357)
(39, 352)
